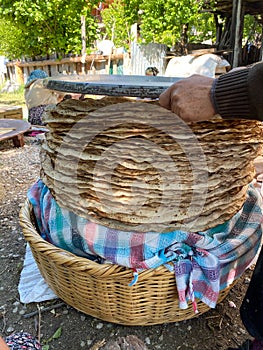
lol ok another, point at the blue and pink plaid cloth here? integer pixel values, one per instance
(203, 262)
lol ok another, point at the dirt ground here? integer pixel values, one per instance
(59, 326)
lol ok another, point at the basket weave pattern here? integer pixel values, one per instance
(102, 291)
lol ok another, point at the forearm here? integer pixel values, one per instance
(239, 93)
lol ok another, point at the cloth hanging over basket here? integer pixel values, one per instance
(204, 262)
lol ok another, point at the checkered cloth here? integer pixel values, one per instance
(203, 262)
(22, 340)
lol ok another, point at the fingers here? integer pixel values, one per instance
(165, 98)
(175, 102)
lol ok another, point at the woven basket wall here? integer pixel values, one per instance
(102, 291)
(135, 166)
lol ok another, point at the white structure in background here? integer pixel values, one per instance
(208, 64)
(3, 70)
(6, 84)
(147, 55)
(105, 47)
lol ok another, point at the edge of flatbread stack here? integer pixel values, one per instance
(133, 165)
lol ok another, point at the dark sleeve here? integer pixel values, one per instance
(239, 94)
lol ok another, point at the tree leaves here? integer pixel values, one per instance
(160, 21)
(40, 27)
(56, 335)
(46, 27)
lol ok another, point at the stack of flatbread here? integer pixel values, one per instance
(133, 165)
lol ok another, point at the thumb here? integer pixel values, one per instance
(165, 98)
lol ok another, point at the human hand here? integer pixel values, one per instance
(190, 99)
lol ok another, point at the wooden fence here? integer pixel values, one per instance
(141, 56)
(18, 72)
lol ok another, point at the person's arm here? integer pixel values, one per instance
(237, 94)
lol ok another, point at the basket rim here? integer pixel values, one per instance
(64, 257)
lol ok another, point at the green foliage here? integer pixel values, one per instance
(117, 25)
(13, 40)
(33, 28)
(252, 29)
(160, 21)
(132, 8)
(46, 27)
(169, 17)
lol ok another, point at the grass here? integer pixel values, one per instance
(13, 98)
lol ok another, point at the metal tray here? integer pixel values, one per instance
(112, 85)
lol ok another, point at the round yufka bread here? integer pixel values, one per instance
(133, 165)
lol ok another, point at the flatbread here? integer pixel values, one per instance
(134, 165)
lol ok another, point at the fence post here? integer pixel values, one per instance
(19, 76)
(83, 42)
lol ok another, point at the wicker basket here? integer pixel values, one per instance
(102, 291)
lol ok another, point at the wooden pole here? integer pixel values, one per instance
(236, 18)
(233, 26)
(261, 46)
(19, 75)
(83, 43)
